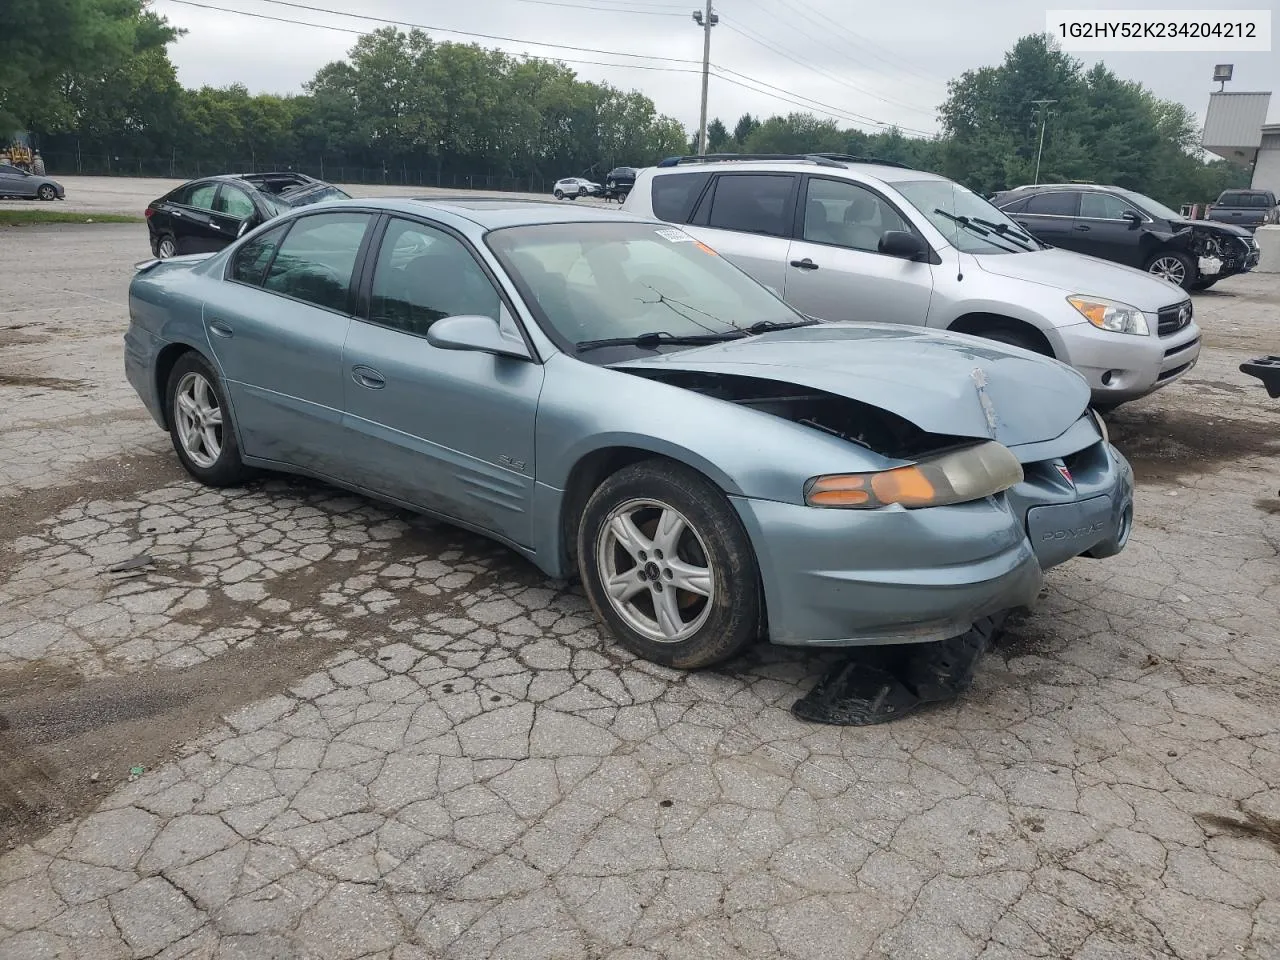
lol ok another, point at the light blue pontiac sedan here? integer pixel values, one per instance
(607, 396)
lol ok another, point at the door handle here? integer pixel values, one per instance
(1082, 227)
(368, 377)
(805, 264)
(220, 329)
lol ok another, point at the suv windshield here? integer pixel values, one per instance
(588, 282)
(970, 223)
(1149, 206)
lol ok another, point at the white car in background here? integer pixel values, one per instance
(575, 187)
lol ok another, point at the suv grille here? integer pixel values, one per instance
(1172, 319)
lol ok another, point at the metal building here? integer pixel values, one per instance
(1236, 129)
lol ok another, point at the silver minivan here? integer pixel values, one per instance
(846, 239)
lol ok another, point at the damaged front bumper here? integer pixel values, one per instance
(888, 576)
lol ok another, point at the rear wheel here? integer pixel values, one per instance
(1173, 266)
(668, 566)
(166, 247)
(47, 192)
(200, 423)
(37, 166)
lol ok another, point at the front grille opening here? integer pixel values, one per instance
(1170, 374)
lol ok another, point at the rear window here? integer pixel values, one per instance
(674, 195)
(753, 203)
(1245, 200)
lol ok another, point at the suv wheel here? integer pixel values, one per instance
(668, 567)
(1173, 266)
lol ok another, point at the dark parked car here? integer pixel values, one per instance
(1126, 227)
(1250, 209)
(203, 216)
(618, 183)
(15, 182)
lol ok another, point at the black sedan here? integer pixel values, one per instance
(205, 215)
(1126, 227)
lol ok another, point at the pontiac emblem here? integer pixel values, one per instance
(1066, 473)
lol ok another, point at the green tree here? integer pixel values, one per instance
(743, 129)
(718, 139)
(48, 47)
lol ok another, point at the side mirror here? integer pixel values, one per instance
(900, 243)
(1131, 217)
(478, 334)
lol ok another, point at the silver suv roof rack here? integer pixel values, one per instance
(819, 159)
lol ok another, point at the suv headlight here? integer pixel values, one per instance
(1111, 315)
(956, 477)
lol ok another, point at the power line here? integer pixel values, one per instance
(782, 96)
(863, 43)
(420, 26)
(670, 10)
(769, 45)
(794, 99)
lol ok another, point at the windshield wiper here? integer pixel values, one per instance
(660, 338)
(768, 326)
(986, 235)
(1005, 230)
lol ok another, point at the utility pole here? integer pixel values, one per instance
(1043, 107)
(706, 21)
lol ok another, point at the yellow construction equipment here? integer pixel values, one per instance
(19, 152)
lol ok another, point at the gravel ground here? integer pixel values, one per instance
(283, 721)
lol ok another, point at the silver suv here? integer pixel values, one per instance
(846, 239)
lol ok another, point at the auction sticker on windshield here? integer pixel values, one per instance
(1182, 31)
(675, 236)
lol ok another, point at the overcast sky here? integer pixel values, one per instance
(862, 62)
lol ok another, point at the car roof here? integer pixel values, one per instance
(1050, 187)
(875, 171)
(494, 213)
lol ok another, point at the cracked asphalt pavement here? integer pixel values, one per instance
(286, 722)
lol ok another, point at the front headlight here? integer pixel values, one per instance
(1111, 315)
(957, 477)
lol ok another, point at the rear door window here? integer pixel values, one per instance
(676, 194)
(317, 258)
(753, 203)
(1058, 203)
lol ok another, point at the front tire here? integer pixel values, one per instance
(1175, 267)
(47, 192)
(200, 423)
(559, 194)
(668, 566)
(582, 191)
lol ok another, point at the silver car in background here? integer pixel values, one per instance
(846, 239)
(575, 187)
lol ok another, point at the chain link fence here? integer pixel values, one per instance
(178, 168)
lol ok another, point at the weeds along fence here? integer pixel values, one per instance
(178, 168)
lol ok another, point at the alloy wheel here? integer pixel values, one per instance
(199, 420)
(1169, 268)
(166, 248)
(655, 570)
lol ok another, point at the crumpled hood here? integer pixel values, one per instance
(1214, 226)
(1077, 273)
(944, 383)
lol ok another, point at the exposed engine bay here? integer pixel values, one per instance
(878, 430)
(1215, 250)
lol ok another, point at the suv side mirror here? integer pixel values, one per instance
(900, 243)
(1131, 217)
(478, 334)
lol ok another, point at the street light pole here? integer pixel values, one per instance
(1043, 107)
(706, 20)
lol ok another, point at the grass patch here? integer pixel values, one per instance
(26, 218)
